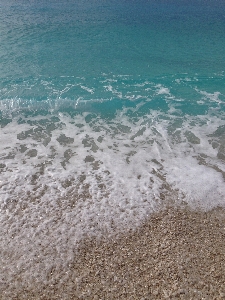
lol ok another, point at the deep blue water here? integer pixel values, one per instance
(108, 110)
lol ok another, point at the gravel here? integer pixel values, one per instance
(176, 254)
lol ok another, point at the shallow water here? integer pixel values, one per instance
(108, 110)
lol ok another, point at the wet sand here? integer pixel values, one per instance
(176, 254)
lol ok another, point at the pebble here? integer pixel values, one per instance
(181, 256)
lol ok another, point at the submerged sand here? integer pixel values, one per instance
(176, 254)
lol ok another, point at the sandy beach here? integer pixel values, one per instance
(112, 150)
(176, 254)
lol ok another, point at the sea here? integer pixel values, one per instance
(109, 110)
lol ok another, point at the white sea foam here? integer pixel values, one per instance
(214, 97)
(63, 178)
(162, 90)
(89, 90)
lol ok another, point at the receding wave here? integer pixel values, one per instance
(91, 166)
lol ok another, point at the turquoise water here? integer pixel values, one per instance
(108, 110)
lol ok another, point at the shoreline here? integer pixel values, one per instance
(177, 254)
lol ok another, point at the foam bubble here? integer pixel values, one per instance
(214, 97)
(162, 90)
